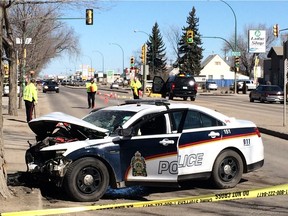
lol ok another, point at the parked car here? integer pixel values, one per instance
(50, 86)
(114, 85)
(142, 142)
(180, 85)
(64, 82)
(269, 93)
(250, 85)
(211, 85)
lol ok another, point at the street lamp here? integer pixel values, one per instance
(235, 39)
(102, 59)
(122, 54)
(141, 32)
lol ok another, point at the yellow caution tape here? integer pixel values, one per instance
(245, 194)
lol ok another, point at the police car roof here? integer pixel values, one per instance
(158, 105)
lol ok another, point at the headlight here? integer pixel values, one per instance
(45, 87)
(191, 82)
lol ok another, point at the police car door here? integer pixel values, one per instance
(150, 155)
(200, 136)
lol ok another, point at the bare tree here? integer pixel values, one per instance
(42, 37)
(173, 36)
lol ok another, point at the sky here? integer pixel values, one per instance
(112, 33)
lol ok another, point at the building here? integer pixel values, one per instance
(274, 67)
(214, 68)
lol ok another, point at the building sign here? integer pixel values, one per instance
(257, 41)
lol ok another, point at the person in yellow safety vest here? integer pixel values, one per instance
(30, 97)
(135, 87)
(91, 88)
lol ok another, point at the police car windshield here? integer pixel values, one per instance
(109, 119)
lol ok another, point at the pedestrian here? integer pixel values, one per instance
(91, 88)
(135, 87)
(30, 97)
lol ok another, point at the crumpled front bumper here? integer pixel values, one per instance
(52, 168)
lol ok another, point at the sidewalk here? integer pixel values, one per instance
(16, 133)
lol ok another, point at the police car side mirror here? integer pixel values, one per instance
(127, 132)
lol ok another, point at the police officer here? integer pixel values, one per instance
(30, 97)
(135, 87)
(91, 88)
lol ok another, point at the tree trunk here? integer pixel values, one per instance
(12, 108)
(4, 191)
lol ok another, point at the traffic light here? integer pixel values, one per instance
(276, 30)
(143, 53)
(189, 36)
(237, 62)
(132, 61)
(89, 16)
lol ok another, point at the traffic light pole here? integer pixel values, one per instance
(285, 54)
(144, 78)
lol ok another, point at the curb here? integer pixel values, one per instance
(273, 133)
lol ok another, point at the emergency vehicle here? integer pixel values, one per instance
(142, 142)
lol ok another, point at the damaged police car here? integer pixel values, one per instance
(142, 142)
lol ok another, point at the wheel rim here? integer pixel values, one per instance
(228, 169)
(88, 180)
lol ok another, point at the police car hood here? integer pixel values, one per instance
(47, 124)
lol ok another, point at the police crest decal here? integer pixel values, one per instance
(138, 165)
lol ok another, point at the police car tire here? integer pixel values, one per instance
(185, 98)
(231, 161)
(91, 169)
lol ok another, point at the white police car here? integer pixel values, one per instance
(142, 143)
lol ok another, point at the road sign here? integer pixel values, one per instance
(236, 53)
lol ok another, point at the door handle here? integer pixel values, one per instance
(166, 142)
(214, 134)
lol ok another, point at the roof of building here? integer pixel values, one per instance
(207, 60)
(277, 50)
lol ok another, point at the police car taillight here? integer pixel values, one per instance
(257, 132)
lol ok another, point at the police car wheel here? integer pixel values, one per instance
(86, 180)
(227, 170)
(185, 98)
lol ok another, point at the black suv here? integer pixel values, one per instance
(50, 86)
(180, 85)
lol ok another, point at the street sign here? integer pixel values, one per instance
(236, 53)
